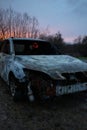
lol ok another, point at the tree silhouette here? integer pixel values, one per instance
(14, 24)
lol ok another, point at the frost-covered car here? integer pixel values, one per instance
(32, 67)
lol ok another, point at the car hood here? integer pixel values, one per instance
(52, 65)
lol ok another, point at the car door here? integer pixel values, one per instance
(4, 58)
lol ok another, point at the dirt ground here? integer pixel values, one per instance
(63, 113)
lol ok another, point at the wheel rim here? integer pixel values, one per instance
(30, 93)
(12, 88)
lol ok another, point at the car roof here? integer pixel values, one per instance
(30, 39)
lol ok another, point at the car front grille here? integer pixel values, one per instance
(73, 78)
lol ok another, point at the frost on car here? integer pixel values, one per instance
(32, 67)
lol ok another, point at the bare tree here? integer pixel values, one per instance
(3, 23)
(14, 24)
(34, 27)
(24, 26)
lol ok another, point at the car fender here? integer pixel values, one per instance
(17, 70)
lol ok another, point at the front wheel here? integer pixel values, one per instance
(30, 92)
(15, 93)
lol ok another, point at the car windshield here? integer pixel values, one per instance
(29, 47)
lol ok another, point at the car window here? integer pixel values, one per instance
(5, 47)
(1, 45)
(26, 47)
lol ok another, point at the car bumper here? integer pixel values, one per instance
(61, 90)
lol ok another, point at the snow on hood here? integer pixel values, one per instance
(53, 64)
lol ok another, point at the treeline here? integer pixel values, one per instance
(77, 49)
(15, 24)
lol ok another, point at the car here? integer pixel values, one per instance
(32, 67)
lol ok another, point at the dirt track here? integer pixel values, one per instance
(64, 113)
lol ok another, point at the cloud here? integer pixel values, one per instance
(73, 2)
(78, 6)
(82, 8)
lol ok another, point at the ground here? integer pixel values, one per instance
(63, 113)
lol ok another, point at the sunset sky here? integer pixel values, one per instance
(67, 16)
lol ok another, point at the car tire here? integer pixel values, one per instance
(30, 94)
(15, 93)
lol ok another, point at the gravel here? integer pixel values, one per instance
(63, 113)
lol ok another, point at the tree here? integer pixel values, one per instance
(3, 23)
(14, 24)
(34, 27)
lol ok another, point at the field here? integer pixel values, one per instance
(63, 113)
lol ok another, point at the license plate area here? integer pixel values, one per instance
(61, 90)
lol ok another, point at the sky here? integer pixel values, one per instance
(69, 17)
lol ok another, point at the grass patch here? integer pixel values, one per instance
(82, 58)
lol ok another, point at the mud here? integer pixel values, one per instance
(62, 113)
